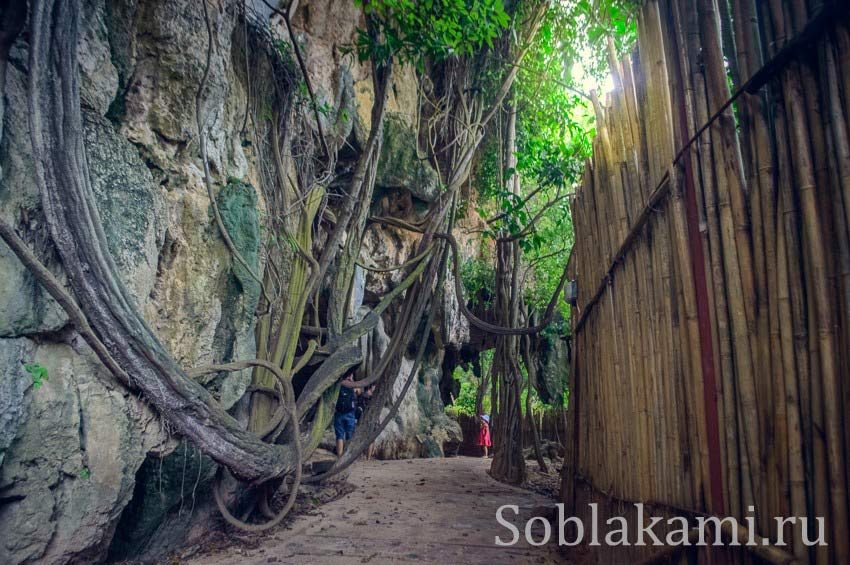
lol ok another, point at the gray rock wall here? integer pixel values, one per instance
(71, 448)
(76, 450)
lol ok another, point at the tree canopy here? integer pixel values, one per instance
(555, 127)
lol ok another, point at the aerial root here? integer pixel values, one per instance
(265, 509)
(269, 433)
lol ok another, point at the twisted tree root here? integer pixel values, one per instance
(273, 426)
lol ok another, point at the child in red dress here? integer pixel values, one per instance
(484, 433)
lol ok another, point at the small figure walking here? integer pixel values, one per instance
(344, 415)
(484, 433)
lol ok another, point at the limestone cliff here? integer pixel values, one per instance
(76, 450)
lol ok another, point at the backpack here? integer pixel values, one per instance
(347, 400)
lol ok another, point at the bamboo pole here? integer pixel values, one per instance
(822, 318)
(838, 119)
(734, 232)
(721, 317)
(795, 453)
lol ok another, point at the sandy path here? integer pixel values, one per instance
(419, 511)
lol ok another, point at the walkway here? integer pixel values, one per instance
(411, 511)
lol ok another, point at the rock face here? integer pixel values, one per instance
(150, 524)
(69, 471)
(552, 355)
(400, 166)
(421, 428)
(76, 449)
(71, 449)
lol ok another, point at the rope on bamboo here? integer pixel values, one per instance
(826, 18)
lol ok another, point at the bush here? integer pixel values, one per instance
(479, 281)
(465, 401)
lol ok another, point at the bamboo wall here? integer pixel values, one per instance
(712, 333)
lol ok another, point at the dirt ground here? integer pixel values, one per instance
(417, 511)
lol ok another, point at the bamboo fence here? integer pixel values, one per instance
(711, 371)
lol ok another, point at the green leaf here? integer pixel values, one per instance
(38, 373)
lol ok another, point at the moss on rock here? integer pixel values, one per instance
(237, 203)
(400, 167)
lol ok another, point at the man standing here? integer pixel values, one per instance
(344, 415)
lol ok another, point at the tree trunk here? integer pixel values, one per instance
(508, 462)
(483, 381)
(531, 369)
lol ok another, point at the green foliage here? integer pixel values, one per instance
(487, 178)
(412, 29)
(479, 281)
(560, 326)
(85, 474)
(537, 405)
(555, 130)
(38, 372)
(594, 21)
(465, 401)
(545, 262)
(284, 50)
